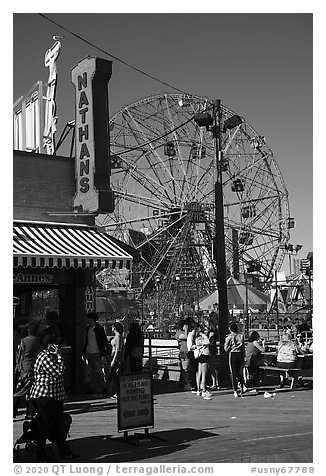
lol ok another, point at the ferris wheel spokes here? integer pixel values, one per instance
(169, 192)
(155, 153)
(148, 183)
(179, 152)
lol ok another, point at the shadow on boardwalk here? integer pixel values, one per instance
(189, 429)
(140, 447)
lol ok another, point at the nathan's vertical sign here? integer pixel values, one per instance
(90, 78)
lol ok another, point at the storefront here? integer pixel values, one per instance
(54, 269)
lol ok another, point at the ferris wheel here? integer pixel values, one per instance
(163, 174)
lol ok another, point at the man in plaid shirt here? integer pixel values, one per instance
(48, 394)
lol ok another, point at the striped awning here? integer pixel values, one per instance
(66, 246)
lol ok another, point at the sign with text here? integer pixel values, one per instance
(44, 278)
(90, 78)
(135, 402)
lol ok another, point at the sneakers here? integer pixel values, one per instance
(244, 390)
(207, 396)
(198, 393)
(193, 390)
(235, 394)
(269, 395)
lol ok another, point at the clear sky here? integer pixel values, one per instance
(259, 64)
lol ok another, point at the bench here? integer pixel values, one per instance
(290, 374)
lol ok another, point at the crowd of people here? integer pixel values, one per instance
(39, 374)
(199, 355)
(39, 366)
(106, 360)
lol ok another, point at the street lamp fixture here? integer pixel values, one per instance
(204, 119)
(232, 122)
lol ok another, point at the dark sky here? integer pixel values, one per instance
(258, 64)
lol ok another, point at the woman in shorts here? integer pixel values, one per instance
(201, 354)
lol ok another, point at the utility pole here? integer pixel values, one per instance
(142, 302)
(277, 314)
(219, 239)
(177, 278)
(214, 124)
(247, 325)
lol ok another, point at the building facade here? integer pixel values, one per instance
(57, 247)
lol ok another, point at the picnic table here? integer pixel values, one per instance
(304, 362)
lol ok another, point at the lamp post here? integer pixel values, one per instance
(142, 301)
(307, 269)
(277, 314)
(292, 250)
(177, 278)
(214, 124)
(247, 322)
(248, 281)
(253, 266)
(197, 289)
(309, 274)
(157, 282)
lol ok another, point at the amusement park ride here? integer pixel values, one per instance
(163, 174)
(163, 177)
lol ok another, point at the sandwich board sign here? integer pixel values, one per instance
(135, 402)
